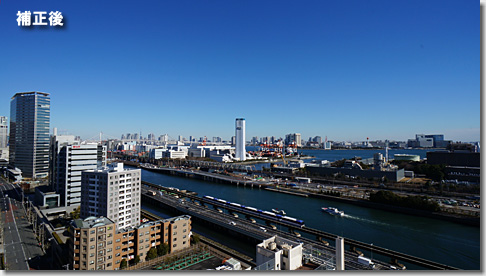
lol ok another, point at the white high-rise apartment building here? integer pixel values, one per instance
(240, 152)
(3, 132)
(112, 192)
(68, 159)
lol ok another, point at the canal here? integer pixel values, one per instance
(437, 240)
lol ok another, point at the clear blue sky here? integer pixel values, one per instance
(343, 69)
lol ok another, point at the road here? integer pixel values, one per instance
(21, 247)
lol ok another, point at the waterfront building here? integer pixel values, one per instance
(164, 138)
(97, 244)
(68, 160)
(293, 138)
(29, 133)
(240, 151)
(113, 192)
(254, 141)
(3, 132)
(327, 144)
(429, 141)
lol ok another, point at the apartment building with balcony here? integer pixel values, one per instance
(96, 244)
(112, 192)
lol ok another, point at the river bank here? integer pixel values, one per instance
(366, 203)
(456, 218)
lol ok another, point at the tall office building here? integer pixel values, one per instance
(3, 132)
(240, 151)
(68, 159)
(29, 133)
(112, 192)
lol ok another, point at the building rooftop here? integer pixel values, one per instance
(153, 223)
(91, 222)
(112, 168)
(30, 93)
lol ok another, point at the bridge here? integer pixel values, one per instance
(318, 234)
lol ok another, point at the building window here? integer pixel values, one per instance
(117, 240)
(117, 248)
(174, 245)
(91, 247)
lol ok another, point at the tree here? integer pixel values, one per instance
(136, 260)
(162, 249)
(152, 253)
(75, 213)
(195, 238)
(123, 264)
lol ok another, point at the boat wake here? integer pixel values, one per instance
(366, 220)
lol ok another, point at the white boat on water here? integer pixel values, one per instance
(277, 211)
(333, 211)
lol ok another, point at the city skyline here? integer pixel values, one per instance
(378, 69)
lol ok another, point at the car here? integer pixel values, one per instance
(263, 229)
(232, 223)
